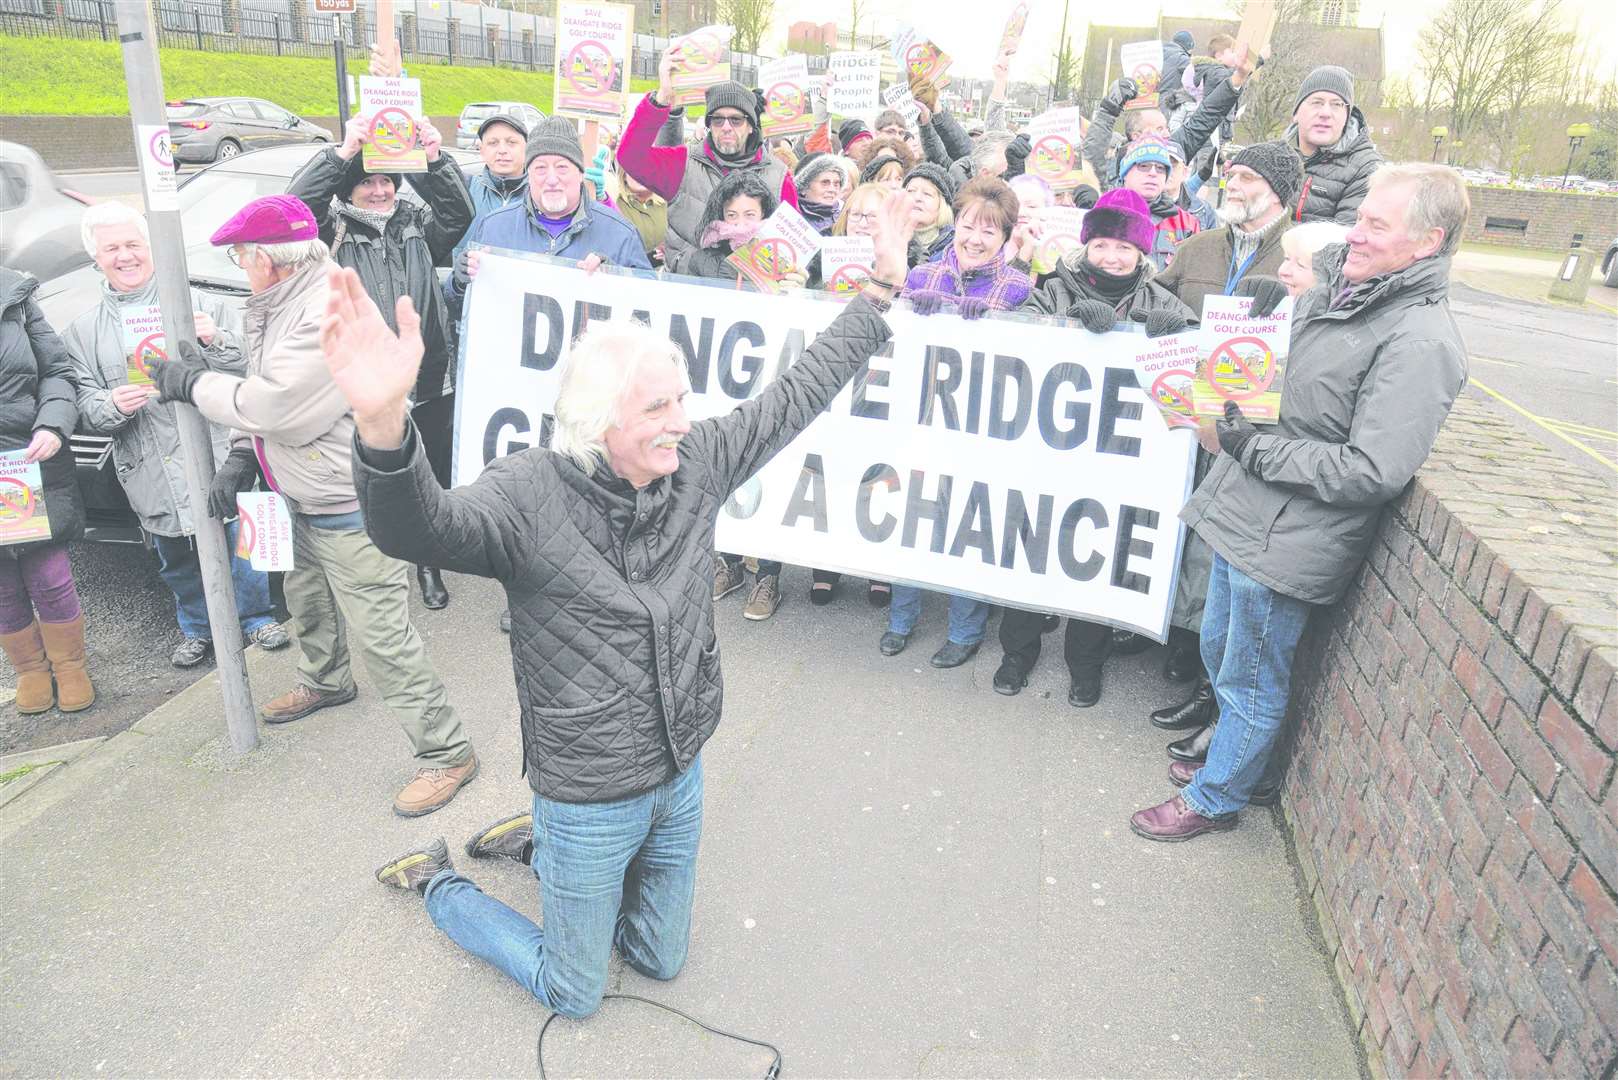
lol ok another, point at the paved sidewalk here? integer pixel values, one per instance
(902, 874)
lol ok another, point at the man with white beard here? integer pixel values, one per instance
(1263, 180)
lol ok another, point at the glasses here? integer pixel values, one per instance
(727, 121)
(236, 255)
(862, 219)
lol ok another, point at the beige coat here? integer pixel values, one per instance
(287, 401)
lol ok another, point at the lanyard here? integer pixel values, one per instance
(1237, 272)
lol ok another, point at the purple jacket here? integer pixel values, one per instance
(1004, 287)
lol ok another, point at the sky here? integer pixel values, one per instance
(971, 30)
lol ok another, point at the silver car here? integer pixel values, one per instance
(466, 128)
(216, 128)
(39, 218)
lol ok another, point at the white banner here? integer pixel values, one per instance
(1010, 458)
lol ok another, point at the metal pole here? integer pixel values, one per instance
(342, 74)
(145, 81)
(1572, 148)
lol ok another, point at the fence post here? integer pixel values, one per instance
(454, 28)
(528, 46)
(277, 35)
(196, 22)
(101, 18)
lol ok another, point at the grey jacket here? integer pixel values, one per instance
(146, 444)
(1336, 177)
(1368, 384)
(610, 587)
(36, 393)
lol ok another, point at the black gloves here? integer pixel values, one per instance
(1164, 321)
(463, 277)
(175, 378)
(1098, 318)
(1234, 432)
(972, 307)
(1017, 151)
(1123, 92)
(1267, 294)
(926, 302)
(1085, 196)
(236, 474)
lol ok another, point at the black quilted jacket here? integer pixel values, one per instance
(610, 588)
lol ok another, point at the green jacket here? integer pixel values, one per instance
(1202, 263)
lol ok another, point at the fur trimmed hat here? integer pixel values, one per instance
(1120, 214)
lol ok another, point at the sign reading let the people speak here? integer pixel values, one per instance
(1013, 459)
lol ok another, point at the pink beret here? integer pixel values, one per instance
(274, 219)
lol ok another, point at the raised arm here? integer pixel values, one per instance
(449, 206)
(660, 168)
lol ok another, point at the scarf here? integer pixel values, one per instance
(821, 215)
(374, 219)
(1115, 288)
(1244, 243)
(1164, 205)
(747, 156)
(734, 233)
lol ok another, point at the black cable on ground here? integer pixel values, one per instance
(775, 1066)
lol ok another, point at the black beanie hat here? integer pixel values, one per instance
(555, 136)
(354, 175)
(1279, 165)
(935, 176)
(848, 131)
(732, 95)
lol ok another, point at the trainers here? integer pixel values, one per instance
(271, 636)
(509, 838)
(300, 701)
(191, 652)
(727, 578)
(415, 869)
(432, 789)
(764, 599)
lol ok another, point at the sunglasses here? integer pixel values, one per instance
(729, 120)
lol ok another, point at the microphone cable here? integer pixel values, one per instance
(772, 1074)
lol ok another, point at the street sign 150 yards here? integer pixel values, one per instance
(335, 7)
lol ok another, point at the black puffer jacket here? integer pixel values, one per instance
(610, 587)
(1062, 287)
(1336, 178)
(400, 260)
(37, 391)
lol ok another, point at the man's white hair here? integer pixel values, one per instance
(604, 363)
(108, 213)
(292, 255)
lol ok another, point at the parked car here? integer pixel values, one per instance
(1609, 266)
(207, 200)
(466, 128)
(216, 128)
(39, 218)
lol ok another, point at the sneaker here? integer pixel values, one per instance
(727, 578)
(271, 636)
(300, 701)
(415, 869)
(505, 621)
(765, 598)
(191, 652)
(432, 789)
(509, 838)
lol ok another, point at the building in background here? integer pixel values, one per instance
(812, 38)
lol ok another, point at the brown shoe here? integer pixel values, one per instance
(1181, 774)
(415, 869)
(1175, 820)
(26, 650)
(432, 789)
(301, 700)
(64, 646)
(765, 598)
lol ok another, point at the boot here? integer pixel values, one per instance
(434, 597)
(1194, 747)
(64, 644)
(35, 693)
(1196, 711)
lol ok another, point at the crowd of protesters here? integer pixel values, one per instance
(298, 383)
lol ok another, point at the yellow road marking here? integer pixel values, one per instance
(1570, 440)
(1492, 360)
(1574, 428)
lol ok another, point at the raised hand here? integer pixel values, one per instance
(356, 133)
(891, 242)
(373, 367)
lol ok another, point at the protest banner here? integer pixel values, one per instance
(1166, 368)
(1011, 459)
(1242, 360)
(1143, 62)
(780, 249)
(853, 83)
(392, 108)
(702, 60)
(919, 59)
(786, 96)
(22, 500)
(898, 98)
(264, 530)
(846, 261)
(1016, 23)
(1056, 139)
(592, 59)
(1258, 23)
(1059, 228)
(142, 327)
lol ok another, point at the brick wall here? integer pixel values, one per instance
(1451, 792)
(1552, 218)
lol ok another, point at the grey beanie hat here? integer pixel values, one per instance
(732, 95)
(1336, 80)
(555, 136)
(1279, 165)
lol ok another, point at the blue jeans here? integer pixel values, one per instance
(178, 566)
(1250, 634)
(967, 617)
(612, 873)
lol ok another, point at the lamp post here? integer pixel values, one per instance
(1576, 134)
(1440, 133)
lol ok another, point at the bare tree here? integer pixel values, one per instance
(750, 19)
(1474, 52)
(857, 10)
(1296, 49)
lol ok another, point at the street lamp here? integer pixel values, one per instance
(1576, 134)
(1440, 133)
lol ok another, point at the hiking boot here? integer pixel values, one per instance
(26, 650)
(764, 599)
(432, 789)
(191, 652)
(727, 578)
(64, 648)
(509, 838)
(300, 701)
(271, 636)
(415, 869)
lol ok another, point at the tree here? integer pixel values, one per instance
(1066, 73)
(751, 20)
(1296, 49)
(1477, 53)
(856, 10)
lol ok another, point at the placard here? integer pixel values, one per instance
(1166, 368)
(1056, 153)
(392, 108)
(919, 59)
(783, 246)
(1060, 229)
(142, 328)
(1012, 459)
(845, 263)
(22, 499)
(898, 98)
(785, 83)
(592, 59)
(1016, 23)
(703, 61)
(1243, 360)
(264, 530)
(853, 82)
(1143, 62)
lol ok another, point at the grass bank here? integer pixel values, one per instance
(65, 77)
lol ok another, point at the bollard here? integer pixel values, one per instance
(1573, 274)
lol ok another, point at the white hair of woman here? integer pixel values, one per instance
(104, 214)
(603, 364)
(1305, 241)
